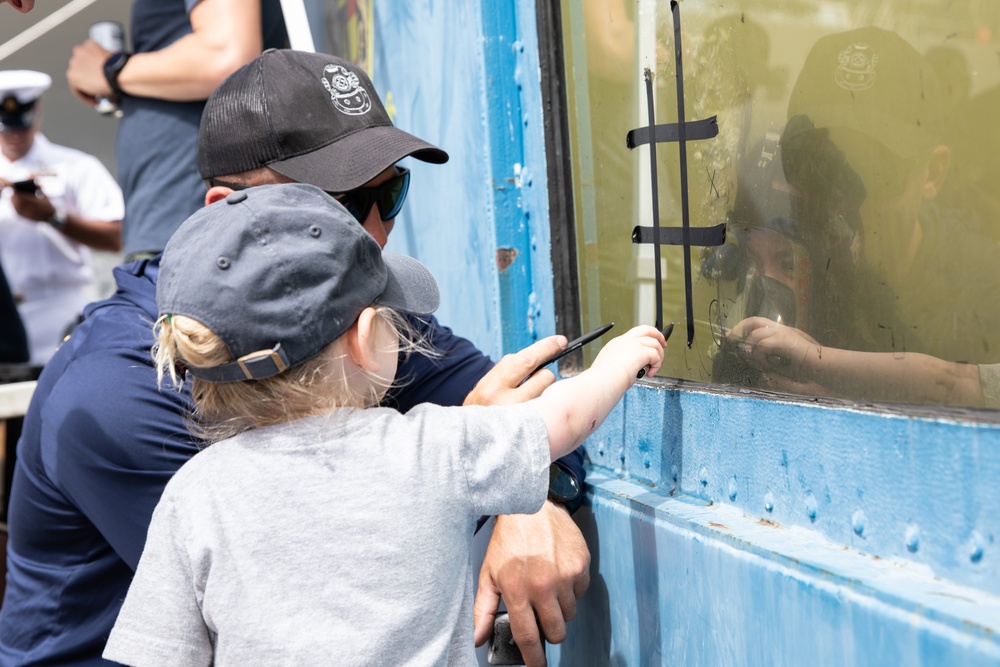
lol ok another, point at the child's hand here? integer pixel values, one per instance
(638, 352)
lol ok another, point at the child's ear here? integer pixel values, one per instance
(361, 341)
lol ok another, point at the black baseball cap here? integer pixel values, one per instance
(312, 117)
(279, 272)
(871, 81)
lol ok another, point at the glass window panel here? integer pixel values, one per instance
(857, 171)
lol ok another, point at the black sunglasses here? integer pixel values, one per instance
(389, 196)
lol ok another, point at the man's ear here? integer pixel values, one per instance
(215, 193)
(937, 171)
(361, 341)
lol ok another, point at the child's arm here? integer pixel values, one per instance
(573, 408)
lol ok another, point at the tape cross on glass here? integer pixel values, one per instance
(680, 132)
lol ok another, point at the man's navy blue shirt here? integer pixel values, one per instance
(99, 443)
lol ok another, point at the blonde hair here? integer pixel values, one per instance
(316, 386)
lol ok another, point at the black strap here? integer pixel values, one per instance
(700, 236)
(656, 199)
(253, 366)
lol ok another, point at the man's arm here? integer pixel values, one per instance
(226, 35)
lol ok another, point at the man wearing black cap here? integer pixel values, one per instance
(55, 204)
(100, 441)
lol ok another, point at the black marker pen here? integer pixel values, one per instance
(572, 346)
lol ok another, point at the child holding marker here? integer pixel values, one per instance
(319, 529)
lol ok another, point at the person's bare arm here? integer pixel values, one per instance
(876, 376)
(226, 35)
(573, 408)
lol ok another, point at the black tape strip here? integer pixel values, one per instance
(706, 128)
(682, 150)
(656, 201)
(700, 236)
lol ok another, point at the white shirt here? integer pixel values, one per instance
(35, 256)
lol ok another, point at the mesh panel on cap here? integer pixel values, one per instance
(236, 132)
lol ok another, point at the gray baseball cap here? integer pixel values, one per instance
(279, 272)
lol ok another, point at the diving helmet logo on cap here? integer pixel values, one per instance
(346, 91)
(856, 67)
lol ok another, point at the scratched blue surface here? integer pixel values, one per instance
(458, 77)
(725, 530)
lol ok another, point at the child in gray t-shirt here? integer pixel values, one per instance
(320, 529)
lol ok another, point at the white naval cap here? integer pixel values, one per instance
(19, 89)
(24, 85)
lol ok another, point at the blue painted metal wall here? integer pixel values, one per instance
(458, 74)
(725, 530)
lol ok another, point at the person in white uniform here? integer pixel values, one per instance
(55, 204)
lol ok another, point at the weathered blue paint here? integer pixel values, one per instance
(428, 65)
(534, 184)
(457, 76)
(887, 474)
(679, 581)
(737, 583)
(725, 530)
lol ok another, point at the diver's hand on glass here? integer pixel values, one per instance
(773, 347)
(789, 359)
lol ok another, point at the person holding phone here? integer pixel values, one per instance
(55, 204)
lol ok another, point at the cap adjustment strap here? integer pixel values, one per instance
(254, 366)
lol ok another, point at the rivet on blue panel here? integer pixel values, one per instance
(810, 506)
(975, 547)
(858, 520)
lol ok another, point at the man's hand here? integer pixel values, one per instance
(540, 565)
(86, 72)
(35, 206)
(502, 385)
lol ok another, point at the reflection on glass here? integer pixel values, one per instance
(860, 191)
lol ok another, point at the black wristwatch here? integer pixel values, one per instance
(563, 486)
(113, 67)
(57, 220)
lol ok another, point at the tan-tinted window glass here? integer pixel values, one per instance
(856, 168)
